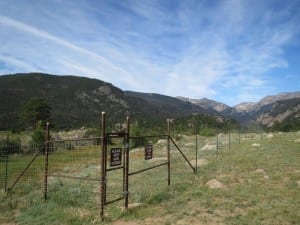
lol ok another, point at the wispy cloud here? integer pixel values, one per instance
(213, 49)
(81, 61)
(235, 51)
(45, 35)
(16, 63)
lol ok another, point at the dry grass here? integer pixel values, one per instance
(260, 186)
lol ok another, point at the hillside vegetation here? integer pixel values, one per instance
(76, 102)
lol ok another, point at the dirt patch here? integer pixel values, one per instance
(259, 171)
(121, 222)
(158, 159)
(285, 180)
(147, 221)
(215, 184)
(255, 145)
(189, 144)
(155, 220)
(131, 206)
(209, 147)
(81, 212)
(200, 162)
(134, 205)
(270, 136)
(162, 142)
(192, 221)
(134, 150)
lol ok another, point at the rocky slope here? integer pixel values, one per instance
(206, 103)
(284, 114)
(280, 110)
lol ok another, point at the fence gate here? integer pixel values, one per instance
(117, 161)
(114, 158)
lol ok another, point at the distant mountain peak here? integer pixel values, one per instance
(282, 96)
(245, 106)
(206, 103)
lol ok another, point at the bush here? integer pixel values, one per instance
(10, 146)
(38, 136)
(207, 132)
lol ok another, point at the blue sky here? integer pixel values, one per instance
(231, 51)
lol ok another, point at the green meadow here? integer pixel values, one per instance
(256, 181)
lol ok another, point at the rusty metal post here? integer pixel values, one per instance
(239, 135)
(126, 192)
(196, 133)
(102, 172)
(6, 164)
(229, 138)
(105, 164)
(124, 164)
(46, 160)
(169, 160)
(217, 141)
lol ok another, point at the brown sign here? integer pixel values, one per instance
(115, 156)
(148, 151)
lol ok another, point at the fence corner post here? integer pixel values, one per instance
(46, 147)
(102, 167)
(169, 160)
(196, 133)
(6, 152)
(127, 162)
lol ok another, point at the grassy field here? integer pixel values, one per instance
(254, 182)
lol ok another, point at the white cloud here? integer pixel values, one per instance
(195, 49)
(34, 31)
(12, 62)
(234, 51)
(99, 66)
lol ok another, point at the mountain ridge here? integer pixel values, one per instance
(79, 100)
(270, 111)
(206, 103)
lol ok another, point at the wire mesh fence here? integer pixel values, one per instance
(74, 166)
(74, 171)
(148, 167)
(21, 168)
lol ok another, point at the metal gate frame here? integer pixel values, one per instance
(125, 166)
(103, 172)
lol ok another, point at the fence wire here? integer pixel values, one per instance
(21, 169)
(145, 185)
(74, 167)
(74, 171)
